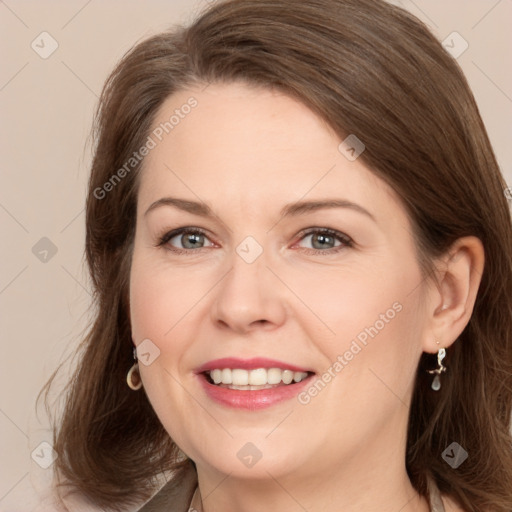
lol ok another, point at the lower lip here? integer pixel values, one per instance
(252, 399)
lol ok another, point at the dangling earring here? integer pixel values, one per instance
(436, 383)
(133, 378)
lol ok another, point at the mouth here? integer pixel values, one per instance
(254, 380)
(252, 384)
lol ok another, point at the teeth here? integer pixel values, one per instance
(274, 375)
(287, 376)
(216, 376)
(259, 378)
(226, 376)
(240, 377)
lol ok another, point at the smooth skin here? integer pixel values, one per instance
(246, 153)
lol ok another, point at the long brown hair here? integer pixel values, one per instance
(367, 68)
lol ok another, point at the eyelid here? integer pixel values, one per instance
(329, 231)
(169, 235)
(346, 241)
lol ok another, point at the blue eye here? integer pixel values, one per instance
(323, 240)
(315, 240)
(186, 238)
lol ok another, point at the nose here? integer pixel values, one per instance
(249, 297)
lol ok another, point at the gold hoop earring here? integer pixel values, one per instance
(133, 378)
(436, 383)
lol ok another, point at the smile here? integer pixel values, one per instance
(259, 378)
(251, 384)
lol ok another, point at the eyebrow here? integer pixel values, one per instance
(195, 207)
(294, 209)
(301, 207)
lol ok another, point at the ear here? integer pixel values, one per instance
(452, 293)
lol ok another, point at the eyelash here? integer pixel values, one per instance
(175, 232)
(345, 240)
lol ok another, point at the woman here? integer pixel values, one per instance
(300, 247)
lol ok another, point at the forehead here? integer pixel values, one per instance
(252, 144)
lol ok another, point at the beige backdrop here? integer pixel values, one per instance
(55, 58)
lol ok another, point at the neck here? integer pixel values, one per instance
(234, 495)
(373, 479)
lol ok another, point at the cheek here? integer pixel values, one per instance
(369, 367)
(371, 319)
(165, 305)
(160, 298)
(339, 303)
(158, 305)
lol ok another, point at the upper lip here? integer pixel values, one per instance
(248, 364)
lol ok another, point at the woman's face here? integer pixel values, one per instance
(293, 260)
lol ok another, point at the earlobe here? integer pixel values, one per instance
(458, 276)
